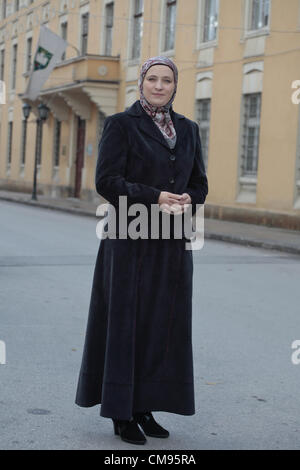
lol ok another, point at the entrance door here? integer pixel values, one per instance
(79, 155)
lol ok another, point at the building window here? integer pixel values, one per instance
(170, 25)
(57, 133)
(137, 28)
(259, 14)
(14, 66)
(4, 5)
(46, 12)
(84, 32)
(29, 55)
(9, 142)
(210, 20)
(64, 34)
(109, 22)
(203, 120)
(17, 5)
(251, 127)
(2, 58)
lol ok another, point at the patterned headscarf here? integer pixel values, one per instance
(160, 114)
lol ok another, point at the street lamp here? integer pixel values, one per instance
(43, 111)
(26, 111)
(43, 115)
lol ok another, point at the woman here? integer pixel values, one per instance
(137, 355)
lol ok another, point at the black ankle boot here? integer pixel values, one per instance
(129, 431)
(149, 425)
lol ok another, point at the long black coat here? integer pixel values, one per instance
(138, 348)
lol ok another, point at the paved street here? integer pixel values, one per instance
(245, 318)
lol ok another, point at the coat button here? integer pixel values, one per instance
(172, 157)
(171, 180)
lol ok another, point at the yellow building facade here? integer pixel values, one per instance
(239, 68)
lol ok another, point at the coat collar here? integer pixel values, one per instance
(147, 126)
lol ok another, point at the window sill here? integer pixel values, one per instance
(133, 62)
(248, 180)
(169, 53)
(255, 33)
(12, 94)
(206, 45)
(22, 170)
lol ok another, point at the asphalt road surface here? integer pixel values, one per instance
(246, 308)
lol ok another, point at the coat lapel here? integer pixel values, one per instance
(148, 127)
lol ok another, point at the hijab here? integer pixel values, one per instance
(160, 114)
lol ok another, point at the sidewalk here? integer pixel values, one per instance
(215, 229)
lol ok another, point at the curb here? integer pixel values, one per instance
(45, 205)
(250, 242)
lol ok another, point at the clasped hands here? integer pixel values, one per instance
(174, 203)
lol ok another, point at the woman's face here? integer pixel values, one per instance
(158, 84)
